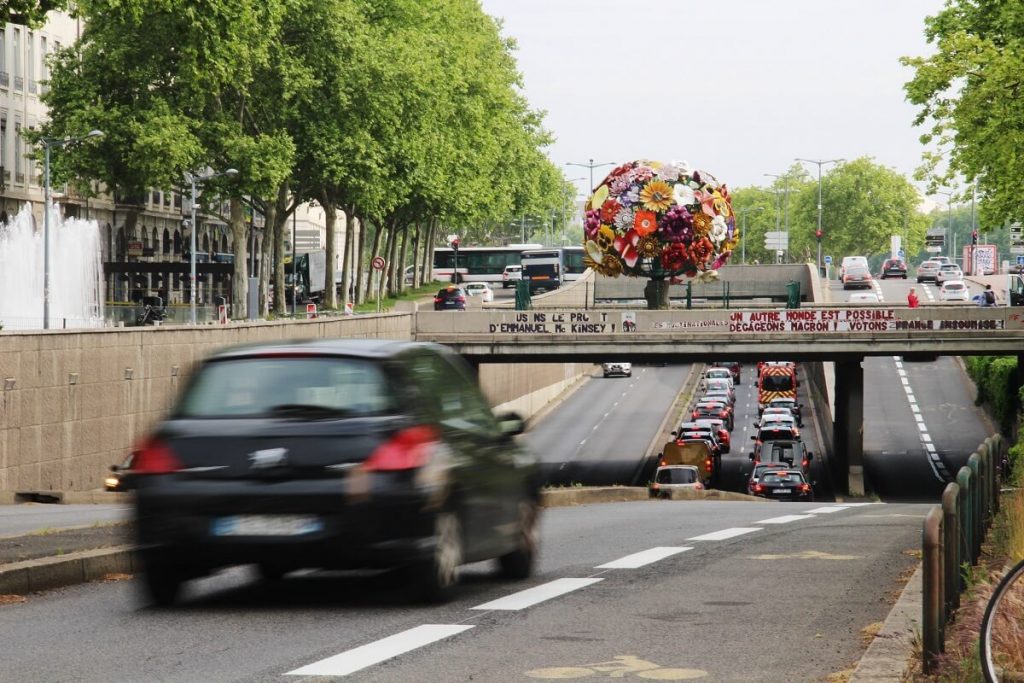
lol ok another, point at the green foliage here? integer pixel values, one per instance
(30, 12)
(993, 377)
(967, 95)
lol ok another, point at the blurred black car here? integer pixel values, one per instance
(784, 485)
(893, 267)
(334, 454)
(451, 298)
(118, 479)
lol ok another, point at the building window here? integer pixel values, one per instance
(16, 44)
(5, 79)
(19, 173)
(155, 198)
(30, 61)
(3, 148)
(44, 70)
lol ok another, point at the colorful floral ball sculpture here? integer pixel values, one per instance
(652, 219)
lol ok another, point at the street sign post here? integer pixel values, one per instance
(828, 260)
(935, 240)
(1016, 239)
(776, 240)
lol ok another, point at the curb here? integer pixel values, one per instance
(552, 498)
(20, 578)
(888, 656)
(64, 497)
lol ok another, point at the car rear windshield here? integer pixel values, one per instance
(771, 477)
(954, 285)
(283, 386)
(677, 475)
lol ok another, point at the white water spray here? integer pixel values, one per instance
(76, 273)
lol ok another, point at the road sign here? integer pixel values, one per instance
(1020, 260)
(828, 260)
(901, 255)
(378, 263)
(776, 240)
(310, 311)
(933, 250)
(1017, 249)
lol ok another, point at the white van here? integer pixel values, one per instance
(852, 261)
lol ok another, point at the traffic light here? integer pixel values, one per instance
(455, 244)
(974, 236)
(818, 233)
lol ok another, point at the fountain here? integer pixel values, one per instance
(76, 273)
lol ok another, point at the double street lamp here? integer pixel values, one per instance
(743, 228)
(820, 163)
(193, 178)
(591, 165)
(47, 143)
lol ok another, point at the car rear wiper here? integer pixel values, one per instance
(307, 410)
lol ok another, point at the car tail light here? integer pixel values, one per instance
(707, 464)
(758, 488)
(805, 488)
(804, 463)
(699, 486)
(438, 300)
(406, 450)
(461, 299)
(695, 413)
(155, 457)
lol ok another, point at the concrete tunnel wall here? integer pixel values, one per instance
(73, 402)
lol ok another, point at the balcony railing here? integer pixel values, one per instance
(5, 79)
(33, 87)
(19, 83)
(19, 177)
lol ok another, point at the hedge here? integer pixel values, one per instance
(993, 376)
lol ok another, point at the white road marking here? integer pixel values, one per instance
(828, 510)
(921, 426)
(860, 505)
(537, 594)
(361, 657)
(785, 519)
(724, 534)
(918, 418)
(906, 382)
(643, 557)
(911, 398)
(915, 408)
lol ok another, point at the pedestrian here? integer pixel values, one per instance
(912, 301)
(989, 296)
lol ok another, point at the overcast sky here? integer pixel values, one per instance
(737, 87)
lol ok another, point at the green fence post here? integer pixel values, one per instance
(951, 546)
(978, 527)
(689, 295)
(523, 300)
(792, 294)
(963, 480)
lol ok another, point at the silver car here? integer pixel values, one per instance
(948, 272)
(927, 271)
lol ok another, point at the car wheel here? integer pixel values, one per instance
(162, 580)
(435, 580)
(270, 570)
(518, 564)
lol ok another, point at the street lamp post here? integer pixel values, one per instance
(591, 166)
(743, 229)
(778, 214)
(192, 177)
(820, 163)
(949, 213)
(47, 144)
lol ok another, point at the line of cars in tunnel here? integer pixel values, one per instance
(780, 463)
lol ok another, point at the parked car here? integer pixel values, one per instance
(510, 276)
(675, 477)
(894, 267)
(856, 275)
(948, 271)
(784, 485)
(927, 270)
(333, 454)
(617, 368)
(451, 298)
(954, 290)
(480, 289)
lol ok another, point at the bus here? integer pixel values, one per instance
(550, 268)
(478, 264)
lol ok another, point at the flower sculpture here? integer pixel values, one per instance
(658, 220)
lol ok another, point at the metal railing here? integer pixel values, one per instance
(953, 533)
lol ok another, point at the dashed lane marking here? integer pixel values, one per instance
(643, 557)
(725, 534)
(537, 594)
(376, 652)
(785, 519)
(827, 510)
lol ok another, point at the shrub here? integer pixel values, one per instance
(993, 376)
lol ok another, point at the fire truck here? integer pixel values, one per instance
(775, 380)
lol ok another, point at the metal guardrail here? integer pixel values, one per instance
(952, 537)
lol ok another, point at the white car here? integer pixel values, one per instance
(863, 298)
(948, 272)
(852, 261)
(954, 290)
(510, 276)
(480, 289)
(624, 369)
(675, 477)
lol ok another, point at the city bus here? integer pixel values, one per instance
(478, 264)
(550, 268)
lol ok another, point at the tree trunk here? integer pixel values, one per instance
(331, 214)
(428, 251)
(389, 255)
(400, 277)
(280, 234)
(656, 293)
(239, 282)
(417, 278)
(377, 235)
(267, 257)
(346, 258)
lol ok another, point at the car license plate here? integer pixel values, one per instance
(266, 525)
(781, 491)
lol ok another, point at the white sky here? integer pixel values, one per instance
(737, 87)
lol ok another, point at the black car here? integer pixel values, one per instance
(790, 452)
(334, 454)
(784, 485)
(894, 267)
(451, 298)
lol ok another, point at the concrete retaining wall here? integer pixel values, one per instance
(74, 402)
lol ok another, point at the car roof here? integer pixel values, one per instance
(359, 348)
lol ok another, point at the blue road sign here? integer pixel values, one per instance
(901, 254)
(1020, 260)
(828, 260)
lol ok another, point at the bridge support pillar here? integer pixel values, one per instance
(848, 428)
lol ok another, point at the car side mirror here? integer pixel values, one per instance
(674, 432)
(753, 437)
(114, 468)
(799, 405)
(751, 456)
(511, 424)
(756, 425)
(810, 456)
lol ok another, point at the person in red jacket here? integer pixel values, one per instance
(912, 298)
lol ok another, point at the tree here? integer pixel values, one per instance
(31, 12)
(968, 94)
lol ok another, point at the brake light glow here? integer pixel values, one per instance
(758, 488)
(438, 299)
(406, 450)
(698, 486)
(805, 488)
(707, 464)
(155, 457)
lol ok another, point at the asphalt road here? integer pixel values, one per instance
(920, 421)
(600, 434)
(766, 597)
(16, 520)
